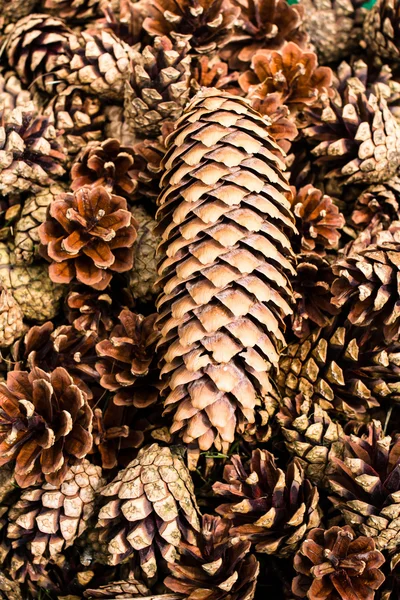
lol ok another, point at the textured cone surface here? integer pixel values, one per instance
(149, 507)
(10, 12)
(45, 423)
(89, 311)
(377, 203)
(12, 93)
(335, 563)
(158, 88)
(271, 508)
(143, 276)
(117, 590)
(49, 518)
(11, 319)
(73, 10)
(219, 566)
(382, 30)
(38, 297)
(366, 488)
(311, 435)
(224, 221)
(88, 236)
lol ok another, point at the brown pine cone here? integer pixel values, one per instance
(118, 590)
(378, 200)
(270, 508)
(123, 18)
(128, 361)
(11, 319)
(382, 31)
(355, 137)
(106, 164)
(225, 273)
(12, 93)
(48, 519)
(213, 72)
(73, 11)
(312, 436)
(151, 506)
(30, 154)
(147, 168)
(290, 75)
(158, 87)
(88, 236)
(206, 25)
(218, 567)
(143, 276)
(89, 311)
(45, 423)
(334, 564)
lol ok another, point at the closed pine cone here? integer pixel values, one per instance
(11, 319)
(143, 276)
(223, 304)
(382, 31)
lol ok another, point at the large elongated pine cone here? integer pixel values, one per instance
(225, 263)
(219, 567)
(366, 485)
(45, 423)
(269, 507)
(49, 518)
(150, 506)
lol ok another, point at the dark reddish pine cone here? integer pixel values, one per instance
(214, 72)
(290, 75)
(89, 311)
(218, 567)
(334, 564)
(88, 236)
(127, 362)
(45, 425)
(269, 507)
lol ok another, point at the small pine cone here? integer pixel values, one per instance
(270, 508)
(73, 11)
(379, 200)
(312, 292)
(128, 360)
(367, 286)
(38, 297)
(34, 47)
(218, 567)
(43, 431)
(33, 214)
(206, 25)
(382, 31)
(213, 72)
(143, 277)
(365, 486)
(11, 319)
(88, 236)
(12, 94)
(312, 436)
(334, 27)
(118, 590)
(30, 154)
(106, 164)
(79, 116)
(225, 262)
(290, 75)
(355, 137)
(150, 507)
(159, 86)
(48, 519)
(89, 311)
(335, 564)
(318, 220)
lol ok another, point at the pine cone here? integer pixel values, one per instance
(271, 508)
(147, 168)
(335, 564)
(128, 363)
(45, 423)
(382, 31)
(30, 155)
(142, 513)
(124, 18)
(225, 286)
(34, 211)
(378, 200)
(89, 311)
(158, 88)
(89, 236)
(48, 519)
(38, 297)
(106, 164)
(206, 25)
(143, 276)
(355, 133)
(290, 75)
(74, 11)
(367, 287)
(334, 27)
(218, 567)
(213, 72)
(312, 436)
(365, 486)
(12, 93)
(11, 319)
(118, 590)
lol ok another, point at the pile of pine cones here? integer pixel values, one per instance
(199, 300)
